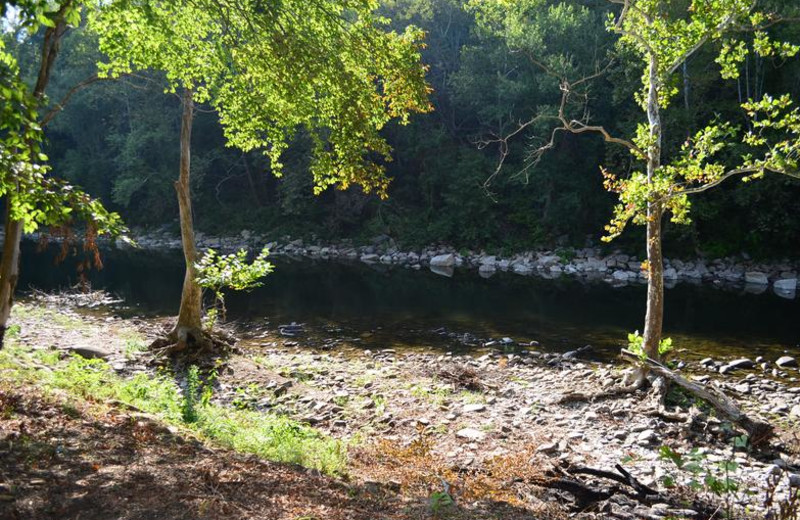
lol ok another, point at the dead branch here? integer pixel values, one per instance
(758, 431)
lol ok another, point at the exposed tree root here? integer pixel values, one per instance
(593, 495)
(580, 397)
(193, 344)
(759, 432)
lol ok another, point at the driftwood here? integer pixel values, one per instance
(759, 432)
(588, 495)
(624, 477)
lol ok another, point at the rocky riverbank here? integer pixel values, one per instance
(588, 263)
(484, 428)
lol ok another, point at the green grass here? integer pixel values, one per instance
(267, 435)
(470, 397)
(52, 317)
(434, 394)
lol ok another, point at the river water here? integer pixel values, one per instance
(384, 307)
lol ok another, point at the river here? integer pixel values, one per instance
(383, 307)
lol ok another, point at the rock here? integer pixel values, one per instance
(470, 434)
(794, 413)
(620, 276)
(443, 271)
(487, 270)
(468, 408)
(89, 351)
(370, 258)
(448, 260)
(743, 388)
(737, 364)
(787, 285)
(756, 278)
(786, 361)
(521, 268)
(646, 437)
(670, 274)
(549, 447)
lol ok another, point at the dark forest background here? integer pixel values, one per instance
(119, 140)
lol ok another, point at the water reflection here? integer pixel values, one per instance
(403, 307)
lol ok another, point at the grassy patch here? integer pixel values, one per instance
(34, 312)
(267, 435)
(436, 395)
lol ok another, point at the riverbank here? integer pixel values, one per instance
(588, 263)
(487, 431)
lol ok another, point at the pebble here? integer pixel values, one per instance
(477, 407)
(470, 434)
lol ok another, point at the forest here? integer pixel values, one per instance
(390, 259)
(118, 140)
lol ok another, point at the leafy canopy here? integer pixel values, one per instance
(35, 197)
(327, 67)
(664, 35)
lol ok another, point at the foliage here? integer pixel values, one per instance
(232, 271)
(663, 41)
(118, 140)
(189, 402)
(35, 197)
(328, 68)
(701, 476)
(636, 345)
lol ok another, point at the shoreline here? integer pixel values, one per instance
(589, 264)
(473, 412)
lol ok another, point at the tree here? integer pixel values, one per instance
(33, 198)
(325, 68)
(661, 35)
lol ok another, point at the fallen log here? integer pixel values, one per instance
(759, 432)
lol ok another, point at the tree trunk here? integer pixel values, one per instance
(188, 329)
(9, 265)
(655, 261)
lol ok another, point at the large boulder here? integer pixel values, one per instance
(786, 285)
(448, 260)
(756, 278)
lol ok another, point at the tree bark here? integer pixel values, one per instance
(9, 265)
(655, 277)
(188, 329)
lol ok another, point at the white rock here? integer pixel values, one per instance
(470, 434)
(755, 278)
(788, 285)
(477, 407)
(448, 260)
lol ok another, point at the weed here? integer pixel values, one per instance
(470, 397)
(440, 500)
(636, 345)
(12, 332)
(133, 346)
(380, 403)
(189, 403)
(267, 435)
(434, 395)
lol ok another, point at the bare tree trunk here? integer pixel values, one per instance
(188, 329)
(251, 180)
(9, 265)
(655, 261)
